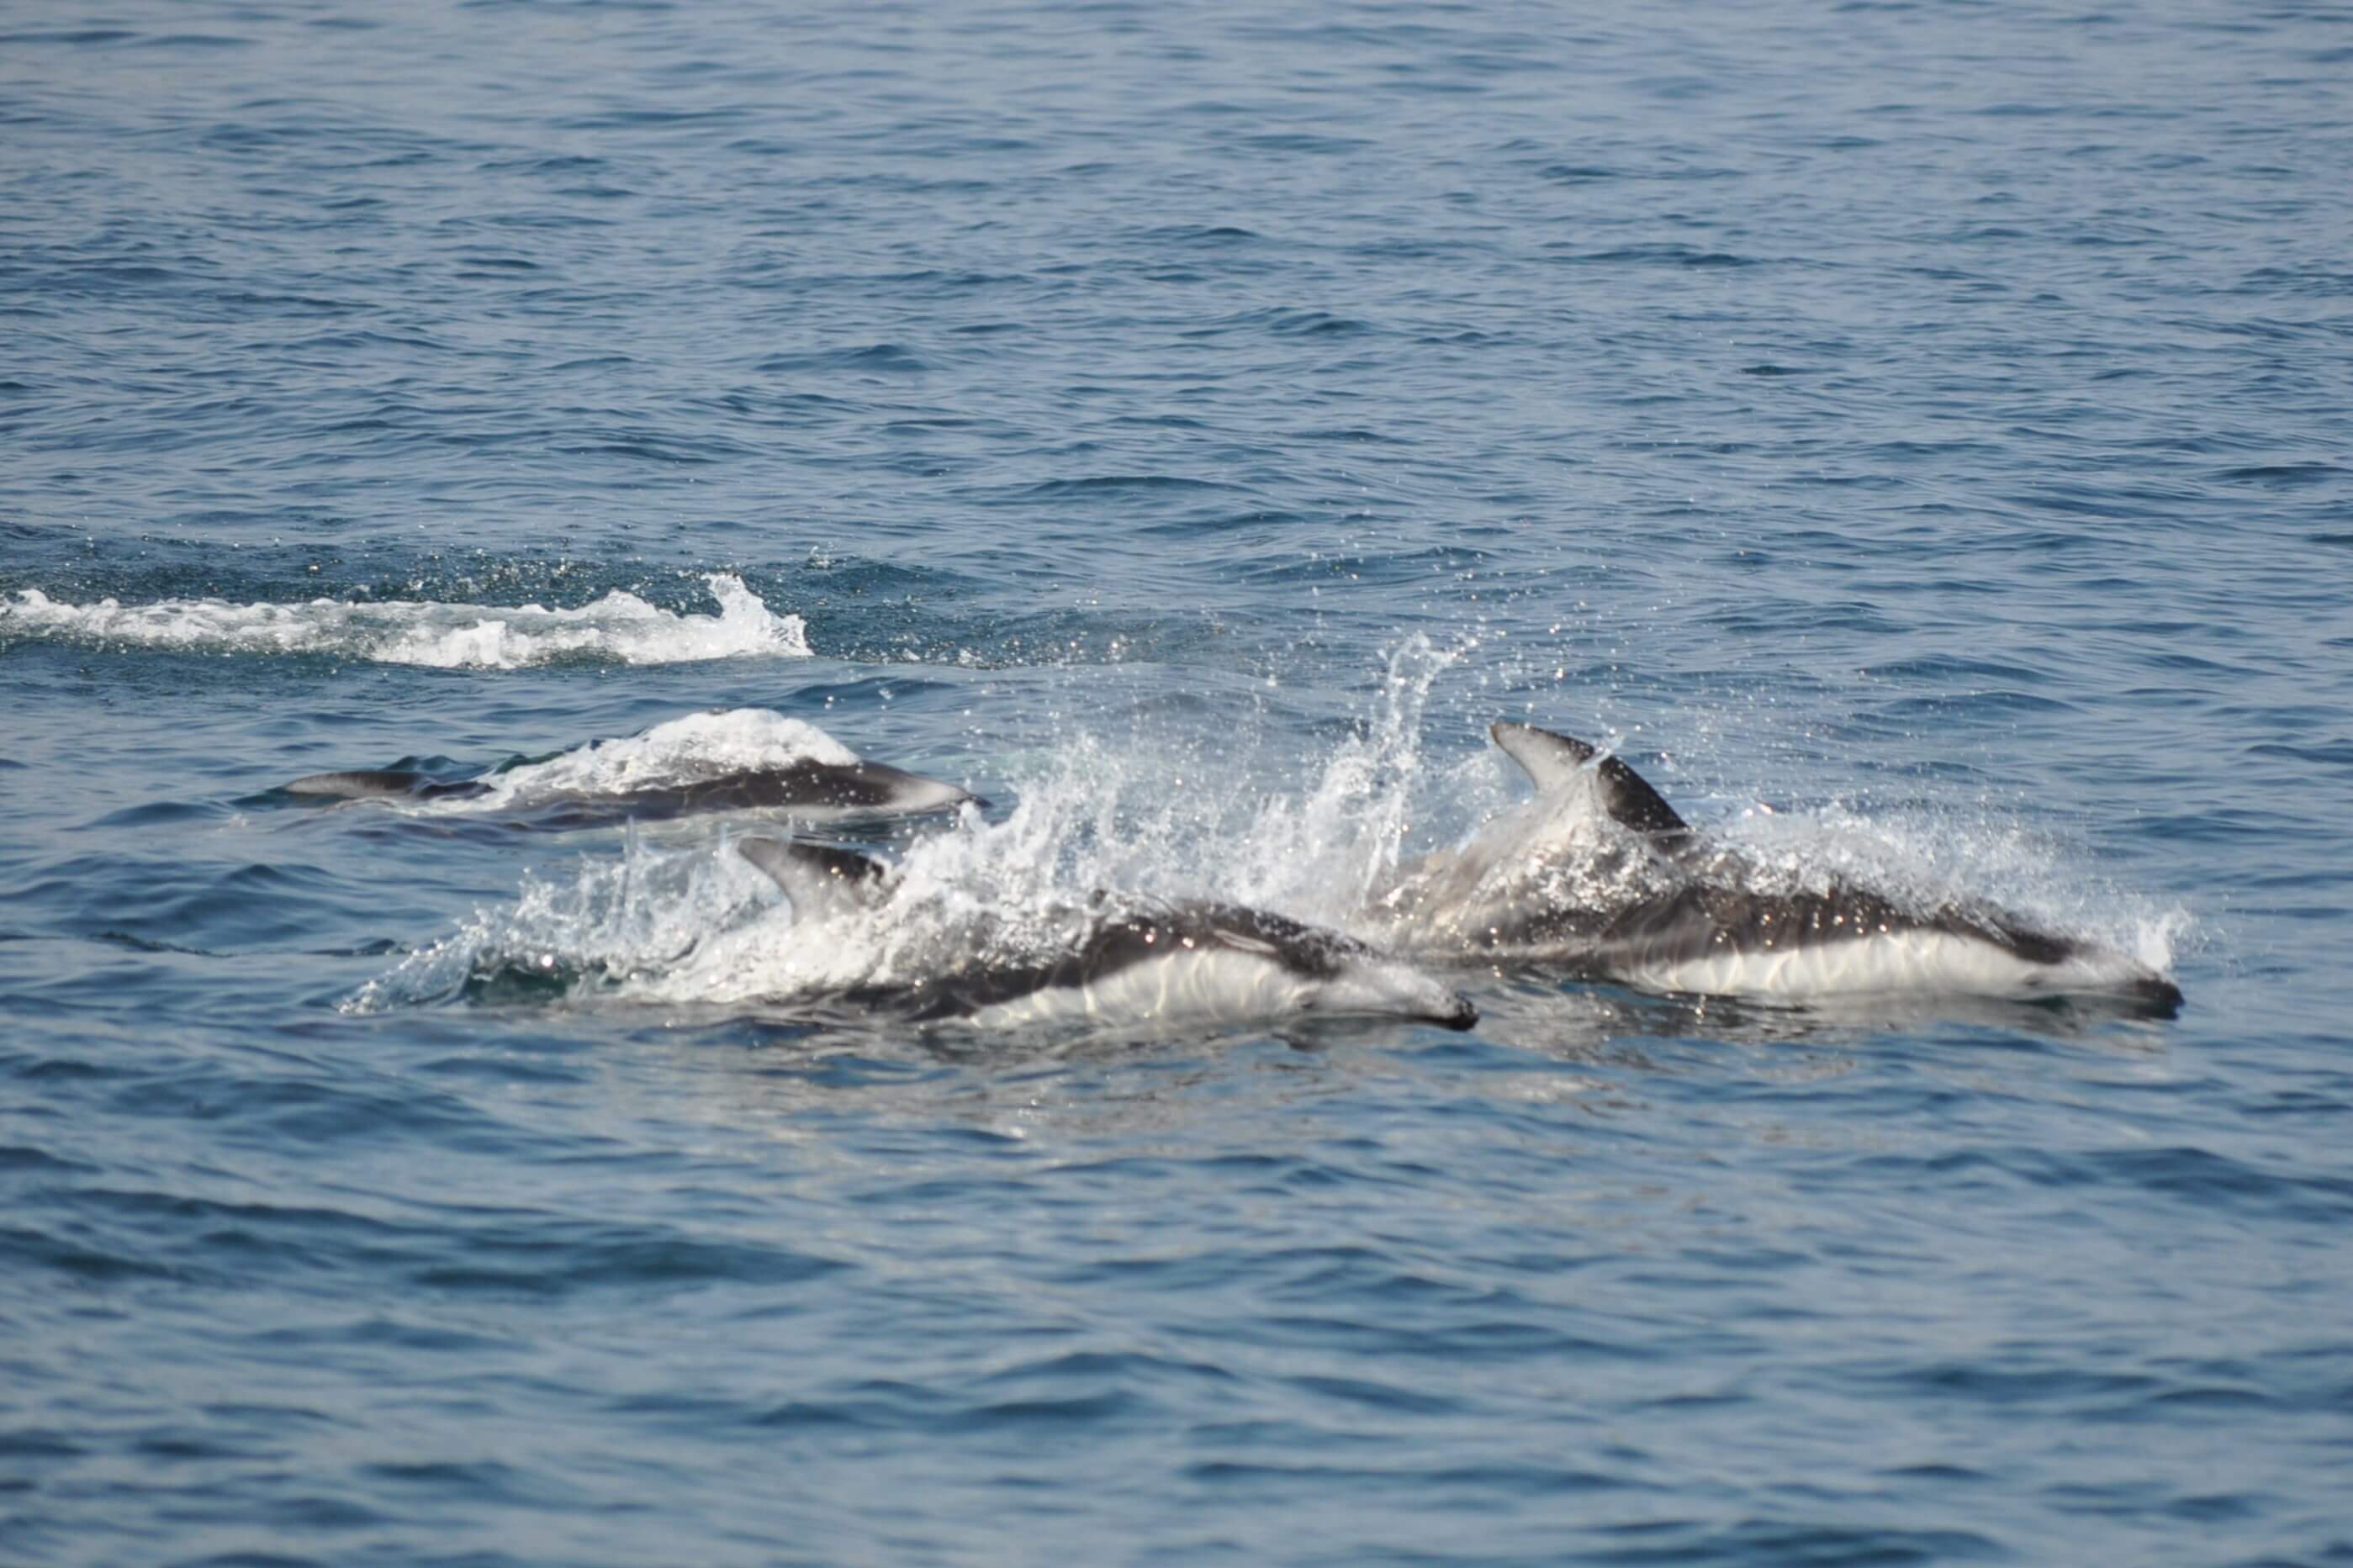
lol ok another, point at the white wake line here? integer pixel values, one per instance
(620, 626)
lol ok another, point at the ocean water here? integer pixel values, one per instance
(1188, 428)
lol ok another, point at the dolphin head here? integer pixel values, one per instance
(1373, 983)
(901, 793)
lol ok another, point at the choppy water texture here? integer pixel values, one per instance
(1188, 428)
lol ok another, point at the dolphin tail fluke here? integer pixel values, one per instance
(1552, 762)
(822, 882)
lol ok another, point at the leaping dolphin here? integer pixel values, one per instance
(1600, 877)
(1192, 962)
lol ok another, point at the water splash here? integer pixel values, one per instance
(1096, 827)
(647, 911)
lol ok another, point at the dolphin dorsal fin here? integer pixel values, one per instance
(822, 881)
(1552, 762)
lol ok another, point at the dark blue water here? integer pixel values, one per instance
(1191, 427)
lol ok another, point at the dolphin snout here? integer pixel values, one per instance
(1461, 1015)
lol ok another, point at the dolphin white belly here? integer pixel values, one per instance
(1205, 986)
(1895, 961)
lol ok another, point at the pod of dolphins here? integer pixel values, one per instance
(1595, 878)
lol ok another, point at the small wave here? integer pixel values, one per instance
(620, 628)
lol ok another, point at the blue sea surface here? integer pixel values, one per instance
(1189, 427)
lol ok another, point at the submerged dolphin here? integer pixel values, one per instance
(1193, 962)
(1599, 876)
(806, 789)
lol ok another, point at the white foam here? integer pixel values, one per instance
(620, 626)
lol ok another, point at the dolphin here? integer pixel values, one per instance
(1189, 962)
(1600, 877)
(805, 789)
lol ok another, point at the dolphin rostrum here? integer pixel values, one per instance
(1599, 876)
(1192, 962)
